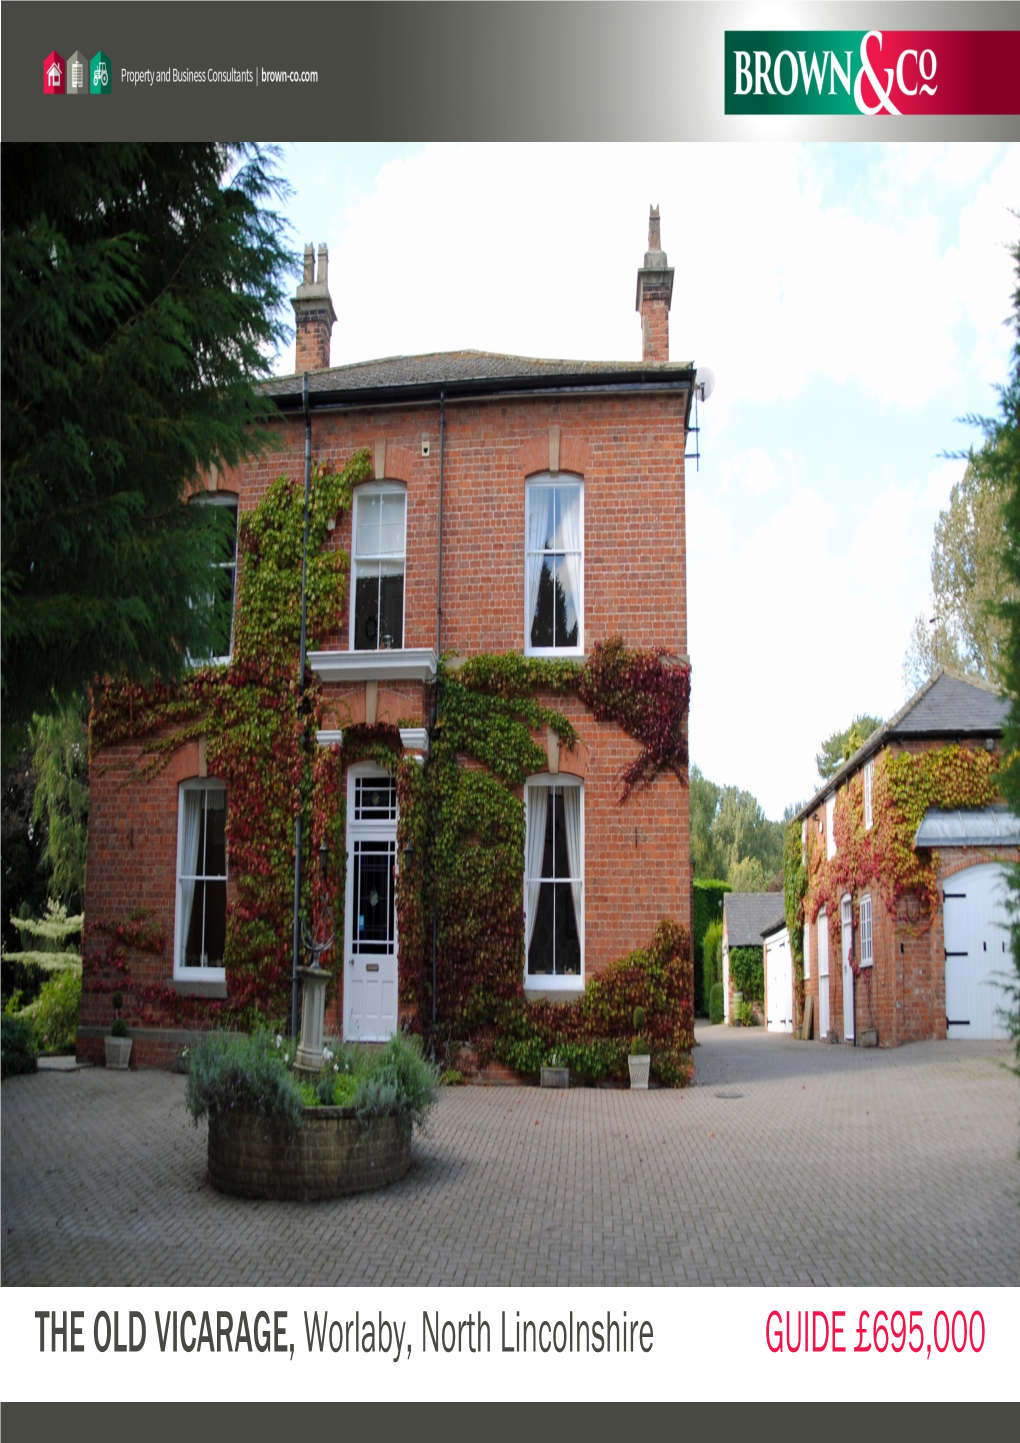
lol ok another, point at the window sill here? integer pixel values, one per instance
(552, 991)
(214, 986)
(405, 664)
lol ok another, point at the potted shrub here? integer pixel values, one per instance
(554, 1073)
(640, 1059)
(118, 1044)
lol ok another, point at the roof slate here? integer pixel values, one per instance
(957, 707)
(750, 914)
(471, 369)
(945, 706)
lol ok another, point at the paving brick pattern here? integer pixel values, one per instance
(788, 1162)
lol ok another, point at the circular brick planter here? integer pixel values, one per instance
(329, 1156)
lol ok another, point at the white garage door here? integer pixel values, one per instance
(978, 957)
(779, 983)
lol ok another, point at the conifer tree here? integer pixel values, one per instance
(141, 290)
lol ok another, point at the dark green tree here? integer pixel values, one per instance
(23, 871)
(141, 288)
(840, 746)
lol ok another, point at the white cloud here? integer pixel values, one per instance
(752, 471)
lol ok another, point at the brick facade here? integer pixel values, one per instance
(626, 445)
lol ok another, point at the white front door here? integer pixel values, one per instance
(370, 928)
(823, 974)
(848, 971)
(978, 960)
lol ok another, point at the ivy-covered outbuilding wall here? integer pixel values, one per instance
(901, 996)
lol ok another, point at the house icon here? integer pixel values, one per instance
(77, 74)
(53, 74)
(100, 74)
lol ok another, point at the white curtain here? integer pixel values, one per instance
(570, 539)
(191, 832)
(534, 849)
(540, 501)
(572, 825)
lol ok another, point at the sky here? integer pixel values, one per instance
(853, 302)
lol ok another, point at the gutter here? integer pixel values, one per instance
(376, 398)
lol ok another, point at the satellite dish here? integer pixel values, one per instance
(704, 381)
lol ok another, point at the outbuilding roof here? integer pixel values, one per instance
(472, 372)
(749, 915)
(946, 706)
(983, 827)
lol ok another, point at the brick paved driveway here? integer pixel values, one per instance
(787, 1163)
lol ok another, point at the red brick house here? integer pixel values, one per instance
(508, 507)
(906, 849)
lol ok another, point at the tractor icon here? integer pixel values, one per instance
(100, 76)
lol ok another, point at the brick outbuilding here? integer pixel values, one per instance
(510, 506)
(907, 849)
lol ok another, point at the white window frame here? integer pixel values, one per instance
(182, 973)
(807, 952)
(546, 482)
(830, 832)
(869, 780)
(231, 500)
(545, 982)
(803, 843)
(867, 941)
(376, 488)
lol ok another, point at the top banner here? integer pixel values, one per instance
(872, 72)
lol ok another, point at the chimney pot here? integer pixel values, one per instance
(654, 295)
(314, 315)
(654, 240)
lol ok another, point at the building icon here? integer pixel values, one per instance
(100, 74)
(53, 74)
(77, 74)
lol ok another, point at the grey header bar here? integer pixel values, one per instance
(453, 71)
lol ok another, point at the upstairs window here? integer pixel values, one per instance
(554, 571)
(377, 580)
(223, 589)
(201, 880)
(867, 953)
(869, 778)
(830, 835)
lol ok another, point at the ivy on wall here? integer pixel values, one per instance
(473, 813)
(462, 813)
(747, 972)
(883, 857)
(259, 741)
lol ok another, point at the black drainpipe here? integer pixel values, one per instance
(435, 705)
(301, 695)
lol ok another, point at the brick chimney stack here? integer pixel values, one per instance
(654, 293)
(314, 314)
